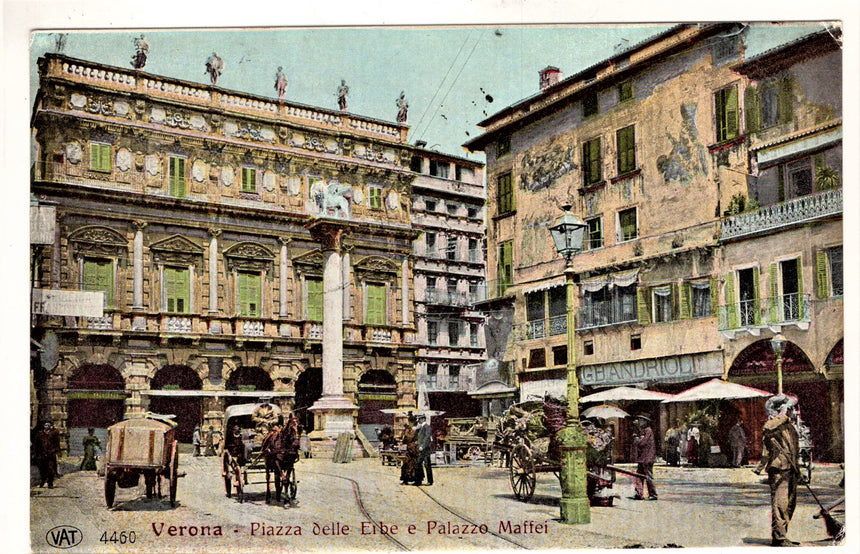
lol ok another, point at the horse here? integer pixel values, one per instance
(280, 450)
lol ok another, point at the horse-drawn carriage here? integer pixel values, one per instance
(533, 427)
(138, 447)
(256, 441)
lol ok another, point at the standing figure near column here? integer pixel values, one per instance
(779, 451)
(425, 450)
(644, 453)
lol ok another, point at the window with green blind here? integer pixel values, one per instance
(506, 194)
(250, 290)
(627, 225)
(375, 198)
(314, 290)
(100, 157)
(625, 91)
(249, 179)
(591, 162)
(590, 105)
(626, 142)
(176, 177)
(726, 102)
(503, 146)
(506, 266)
(375, 304)
(177, 289)
(99, 276)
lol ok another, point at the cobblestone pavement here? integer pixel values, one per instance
(346, 506)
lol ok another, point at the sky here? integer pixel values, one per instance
(453, 76)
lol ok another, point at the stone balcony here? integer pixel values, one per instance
(792, 212)
(751, 316)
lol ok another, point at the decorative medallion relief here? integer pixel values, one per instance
(269, 181)
(74, 153)
(227, 176)
(372, 154)
(124, 159)
(121, 108)
(294, 185)
(152, 165)
(249, 132)
(198, 171)
(178, 120)
(316, 144)
(358, 195)
(392, 201)
(78, 101)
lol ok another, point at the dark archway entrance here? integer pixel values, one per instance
(96, 398)
(247, 379)
(377, 391)
(308, 390)
(187, 409)
(756, 366)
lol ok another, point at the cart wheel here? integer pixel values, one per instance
(292, 486)
(474, 453)
(174, 472)
(110, 489)
(522, 473)
(227, 473)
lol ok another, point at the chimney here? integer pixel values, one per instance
(549, 76)
(421, 143)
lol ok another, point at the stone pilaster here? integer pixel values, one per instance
(213, 270)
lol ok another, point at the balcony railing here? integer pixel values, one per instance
(447, 298)
(541, 328)
(253, 328)
(779, 310)
(794, 211)
(605, 313)
(177, 324)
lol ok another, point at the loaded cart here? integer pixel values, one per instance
(141, 447)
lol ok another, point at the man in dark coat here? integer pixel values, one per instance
(779, 453)
(644, 453)
(47, 448)
(424, 436)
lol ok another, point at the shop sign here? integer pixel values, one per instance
(68, 302)
(669, 369)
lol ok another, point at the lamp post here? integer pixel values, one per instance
(568, 234)
(777, 345)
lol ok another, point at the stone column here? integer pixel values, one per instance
(346, 264)
(137, 266)
(404, 291)
(213, 270)
(334, 413)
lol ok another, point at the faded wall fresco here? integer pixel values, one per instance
(688, 156)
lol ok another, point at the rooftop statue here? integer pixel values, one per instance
(402, 108)
(214, 67)
(141, 45)
(342, 93)
(281, 83)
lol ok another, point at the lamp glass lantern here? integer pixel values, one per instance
(568, 234)
(777, 344)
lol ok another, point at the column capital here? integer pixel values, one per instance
(213, 232)
(329, 235)
(139, 224)
(285, 241)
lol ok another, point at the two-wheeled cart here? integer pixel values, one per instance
(138, 447)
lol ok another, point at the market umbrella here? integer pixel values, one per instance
(717, 389)
(625, 393)
(604, 411)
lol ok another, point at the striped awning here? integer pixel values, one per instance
(544, 285)
(622, 279)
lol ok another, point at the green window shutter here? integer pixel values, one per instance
(822, 276)
(177, 288)
(177, 177)
(626, 142)
(715, 296)
(757, 301)
(774, 294)
(98, 276)
(785, 101)
(595, 161)
(800, 289)
(732, 113)
(100, 157)
(684, 301)
(375, 198)
(731, 303)
(315, 299)
(753, 110)
(675, 300)
(250, 295)
(249, 179)
(505, 273)
(643, 305)
(375, 305)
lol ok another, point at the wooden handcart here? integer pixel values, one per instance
(141, 447)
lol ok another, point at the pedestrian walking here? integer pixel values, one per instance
(47, 448)
(779, 453)
(91, 443)
(410, 460)
(673, 447)
(424, 438)
(738, 442)
(644, 453)
(195, 440)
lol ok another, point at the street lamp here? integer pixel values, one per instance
(777, 344)
(568, 234)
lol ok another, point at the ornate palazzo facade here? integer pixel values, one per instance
(198, 212)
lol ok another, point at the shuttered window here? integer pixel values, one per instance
(626, 142)
(249, 179)
(590, 105)
(627, 225)
(375, 198)
(506, 194)
(250, 287)
(834, 255)
(643, 307)
(176, 177)
(100, 157)
(506, 266)
(314, 290)
(726, 101)
(375, 304)
(625, 91)
(177, 289)
(99, 276)
(591, 162)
